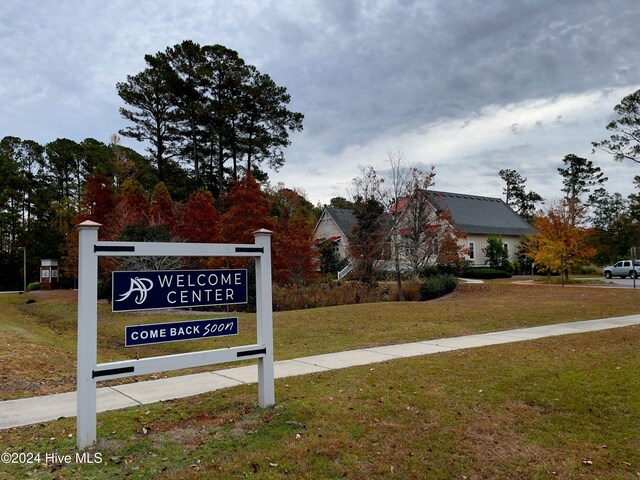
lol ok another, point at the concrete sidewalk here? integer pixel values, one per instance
(27, 411)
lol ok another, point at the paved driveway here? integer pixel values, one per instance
(619, 282)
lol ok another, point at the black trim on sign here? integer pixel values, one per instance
(111, 371)
(115, 248)
(250, 249)
(248, 353)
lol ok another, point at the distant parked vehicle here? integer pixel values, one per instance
(622, 269)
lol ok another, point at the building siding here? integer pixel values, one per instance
(327, 228)
(480, 243)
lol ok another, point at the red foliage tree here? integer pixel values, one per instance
(161, 208)
(131, 207)
(249, 210)
(294, 258)
(97, 201)
(200, 221)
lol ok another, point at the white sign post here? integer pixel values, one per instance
(90, 372)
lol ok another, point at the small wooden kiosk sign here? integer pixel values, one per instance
(169, 289)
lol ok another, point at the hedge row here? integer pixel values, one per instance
(434, 287)
(485, 273)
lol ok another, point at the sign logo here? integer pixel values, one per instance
(178, 288)
(140, 286)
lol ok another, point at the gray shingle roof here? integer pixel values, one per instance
(471, 214)
(344, 218)
(486, 215)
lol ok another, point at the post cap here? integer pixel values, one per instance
(89, 224)
(262, 231)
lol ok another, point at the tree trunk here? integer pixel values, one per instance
(398, 274)
(220, 169)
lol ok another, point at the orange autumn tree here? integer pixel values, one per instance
(560, 243)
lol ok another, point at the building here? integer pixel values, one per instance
(335, 226)
(479, 217)
(476, 216)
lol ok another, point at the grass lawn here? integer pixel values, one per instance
(565, 407)
(37, 351)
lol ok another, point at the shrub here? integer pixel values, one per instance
(410, 289)
(439, 270)
(326, 294)
(588, 270)
(104, 288)
(496, 253)
(434, 287)
(33, 286)
(485, 273)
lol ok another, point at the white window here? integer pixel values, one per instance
(472, 252)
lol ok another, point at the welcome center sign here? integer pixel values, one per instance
(178, 288)
(149, 290)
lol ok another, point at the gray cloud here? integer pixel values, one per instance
(358, 70)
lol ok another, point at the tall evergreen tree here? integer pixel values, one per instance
(579, 176)
(516, 195)
(205, 105)
(154, 111)
(624, 142)
(514, 186)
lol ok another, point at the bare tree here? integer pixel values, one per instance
(367, 245)
(419, 225)
(397, 195)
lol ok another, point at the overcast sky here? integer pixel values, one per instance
(470, 86)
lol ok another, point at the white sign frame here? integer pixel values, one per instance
(90, 372)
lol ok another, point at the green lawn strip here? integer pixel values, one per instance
(34, 359)
(552, 408)
(471, 309)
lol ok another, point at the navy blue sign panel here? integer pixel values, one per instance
(178, 288)
(171, 332)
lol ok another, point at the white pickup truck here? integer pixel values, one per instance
(622, 269)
